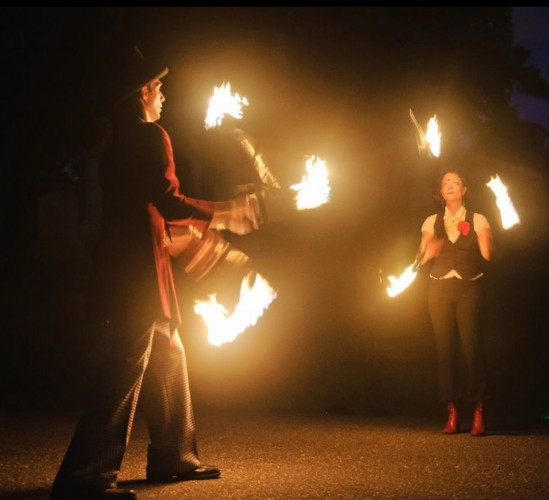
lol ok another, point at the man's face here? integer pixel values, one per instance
(152, 98)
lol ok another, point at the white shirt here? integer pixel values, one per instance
(451, 226)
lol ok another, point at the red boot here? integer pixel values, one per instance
(452, 425)
(478, 421)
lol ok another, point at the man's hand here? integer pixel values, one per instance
(239, 215)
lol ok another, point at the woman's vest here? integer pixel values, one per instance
(463, 255)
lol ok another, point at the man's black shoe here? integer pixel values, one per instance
(201, 472)
(80, 492)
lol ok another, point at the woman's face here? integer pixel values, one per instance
(452, 188)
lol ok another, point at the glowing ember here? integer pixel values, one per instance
(403, 281)
(314, 188)
(509, 216)
(223, 103)
(432, 138)
(254, 299)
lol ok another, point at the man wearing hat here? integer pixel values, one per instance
(137, 303)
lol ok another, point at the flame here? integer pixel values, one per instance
(509, 216)
(223, 103)
(431, 138)
(402, 282)
(314, 188)
(254, 299)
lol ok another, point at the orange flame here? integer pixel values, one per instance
(400, 284)
(509, 216)
(314, 188)
(432, 136)
(431, 139)
(254, 300)
(223, 103)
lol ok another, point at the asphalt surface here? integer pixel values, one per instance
(304, 455)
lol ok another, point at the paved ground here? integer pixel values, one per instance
(285, 456)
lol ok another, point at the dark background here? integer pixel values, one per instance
(335, 82)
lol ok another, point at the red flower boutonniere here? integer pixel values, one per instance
(464, 227)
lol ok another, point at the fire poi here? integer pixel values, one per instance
(403, 281)
(314, 188)
(430, 140)
(200, 251)
(276, 203)
(222, 103)
(255, 297)
(509, 216)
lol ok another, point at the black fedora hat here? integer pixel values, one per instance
(138, 72)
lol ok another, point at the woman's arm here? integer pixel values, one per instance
(429, 247)
(485, 243)
(484, 236)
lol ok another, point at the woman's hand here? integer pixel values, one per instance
(429, 248)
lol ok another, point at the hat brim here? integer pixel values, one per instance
(156, 76)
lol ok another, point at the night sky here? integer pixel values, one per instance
(336, 82)
(530, 31)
